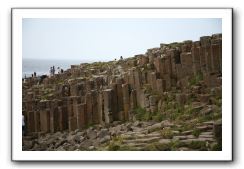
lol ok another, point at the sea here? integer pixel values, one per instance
(42, 66)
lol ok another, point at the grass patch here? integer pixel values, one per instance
(142, 115)
(158, 117)
(216, 147)
(196, 79)
(198, 145)
(167, 133)
(196, 132)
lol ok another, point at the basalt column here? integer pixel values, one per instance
(126, 100)
(108, 100)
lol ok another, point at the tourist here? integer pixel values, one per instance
(121, 57)
(25, 79)
(53, 70)
(58, 70)
(34, 74)
(23, 125)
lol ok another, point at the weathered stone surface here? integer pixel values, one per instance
(95, 111)
(181, 99)
(126, 100)
(105, 139)
(111, 93)
(91, 134)
(89, 108)
(45, 120)
(81, 116)
(161, 85)
(72, 123)
(218, 130)
(107, 95)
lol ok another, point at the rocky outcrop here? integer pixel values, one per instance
(105, 92)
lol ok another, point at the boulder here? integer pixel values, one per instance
(103, 133)
(91, 134)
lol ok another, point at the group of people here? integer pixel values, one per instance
(52, 70)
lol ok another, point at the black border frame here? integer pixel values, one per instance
(126, 161)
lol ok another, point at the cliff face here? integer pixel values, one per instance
(161, 84)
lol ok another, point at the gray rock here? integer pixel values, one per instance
(85, 144)
(218, 130)
(179, 137)
(154, 127)
(28, 144)
(164, 141)
(206, 110)
(184, 149)
(166, 123)
(91, 148)
(59, 143)
(91, 134)
(51, 141)
(102, 133)
(187, 132)
(115, 130)
(78, 139)
(60, 149)
(105, 139)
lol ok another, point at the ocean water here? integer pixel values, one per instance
(42, 66)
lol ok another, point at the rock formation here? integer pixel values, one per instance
(175, 82)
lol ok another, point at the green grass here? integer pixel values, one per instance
(167, 133)
(196, 132)
(198, 145)
(196, 79)
(216, 147)
(142, 115)
(158, 117)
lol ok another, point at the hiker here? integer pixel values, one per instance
(121, 57)
(25, 79)
(23, 125)
(53, 70)
(58, 70)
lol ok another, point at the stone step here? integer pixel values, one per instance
(183, 137)
(165, 141)
(208, 122)
(206, 133)
(205, 128)
(186, 132)
(129, 136)
(197, 139)
(142, 140)
(136, 144)
(206, 136)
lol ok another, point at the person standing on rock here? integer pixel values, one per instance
(58, 70)
(53, 70)
(23, 125)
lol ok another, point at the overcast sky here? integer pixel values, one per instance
(106, 39)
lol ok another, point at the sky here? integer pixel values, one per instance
(107, 39)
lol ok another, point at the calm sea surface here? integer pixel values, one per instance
(41, 67)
